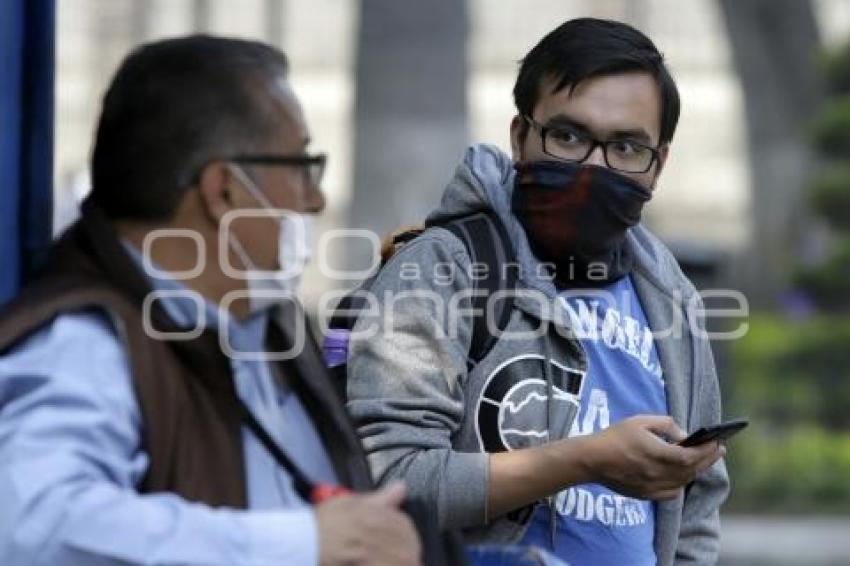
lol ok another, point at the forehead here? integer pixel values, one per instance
(605, 104)
(294, 131)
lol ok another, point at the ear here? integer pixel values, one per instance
(216, 187)
(519, 131)
(663, 154)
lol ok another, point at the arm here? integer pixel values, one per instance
(630, 457)
(520, 477)
(406, 384)
(406, 389)
(70, 457)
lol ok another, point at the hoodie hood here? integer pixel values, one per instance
(484, 180)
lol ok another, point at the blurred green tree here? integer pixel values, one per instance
(791, 373)
(828, 281)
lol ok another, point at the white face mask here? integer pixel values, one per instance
(265, 288)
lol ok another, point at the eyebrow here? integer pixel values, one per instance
(562, 121)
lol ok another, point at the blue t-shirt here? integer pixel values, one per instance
(595, 525)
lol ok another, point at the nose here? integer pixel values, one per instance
(315, 199)
(597, 156)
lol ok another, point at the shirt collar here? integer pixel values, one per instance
(185, 306)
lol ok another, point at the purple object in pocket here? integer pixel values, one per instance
(335, 347)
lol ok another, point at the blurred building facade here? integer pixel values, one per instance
(703, 198)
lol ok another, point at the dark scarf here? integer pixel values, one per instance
(576, 217)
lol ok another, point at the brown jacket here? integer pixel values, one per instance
(192, 425)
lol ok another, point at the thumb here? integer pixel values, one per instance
(390, 496)
(663, 426)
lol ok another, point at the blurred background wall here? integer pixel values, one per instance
(395, 89)
(371, 73)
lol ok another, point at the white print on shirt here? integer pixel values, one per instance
(610, 509)
(512, 409)
(596, 415)
(618, 331)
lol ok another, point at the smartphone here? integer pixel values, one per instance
(722, 431)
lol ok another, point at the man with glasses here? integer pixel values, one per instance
(562, 436)
(161, 401)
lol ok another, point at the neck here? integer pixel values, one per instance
(181, 254)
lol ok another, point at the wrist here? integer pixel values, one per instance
(576, 458)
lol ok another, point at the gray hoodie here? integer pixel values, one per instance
(428, 418)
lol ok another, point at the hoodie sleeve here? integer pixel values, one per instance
(699, 534)
(406, 377)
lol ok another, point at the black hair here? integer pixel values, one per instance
(172, 107)
(587, 47)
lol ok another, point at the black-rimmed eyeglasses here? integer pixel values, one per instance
(571, 144)
(312, 165)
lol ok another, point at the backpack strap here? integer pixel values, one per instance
(487, 242)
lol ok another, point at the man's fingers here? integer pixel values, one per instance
(686, 463)
(390, 496)
(702, 456)
(396, 540)
(406, 537)
(717, 452)
(666, 494)
(662, 426)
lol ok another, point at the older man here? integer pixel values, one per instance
(160, 399)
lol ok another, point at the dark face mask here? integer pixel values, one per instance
(576, 217)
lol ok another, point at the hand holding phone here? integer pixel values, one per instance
(722, 431)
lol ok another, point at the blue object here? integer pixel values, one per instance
(70, 443)
(495, 555)
(26, 137)
(335, 347)
(597, 526)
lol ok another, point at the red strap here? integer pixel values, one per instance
(324, 491)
